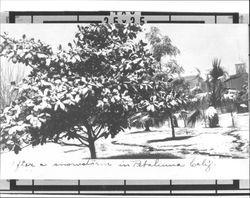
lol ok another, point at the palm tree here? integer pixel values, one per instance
(215, 83)
(213, 97)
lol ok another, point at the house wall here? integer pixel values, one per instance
(237, 83)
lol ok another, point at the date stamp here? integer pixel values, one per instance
(124, 17)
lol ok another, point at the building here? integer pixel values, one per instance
(195, 81)
(236, 81)
(238, 84)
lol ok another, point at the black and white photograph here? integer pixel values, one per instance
(124, 91)
(124, 98)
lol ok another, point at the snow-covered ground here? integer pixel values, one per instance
(221, 142)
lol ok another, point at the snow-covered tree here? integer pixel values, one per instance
(85, 92)
(169, 97)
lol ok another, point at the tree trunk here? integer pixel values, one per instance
(92, 149)
(213, 96)
(231, 112)
(175, 121)
(91, 142)
(185, 122)
(204, 117)
(172, 125)
(147, 126)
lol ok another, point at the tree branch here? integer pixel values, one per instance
(99, 131)
(81, 140)
(100, 134)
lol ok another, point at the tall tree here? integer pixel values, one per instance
(215, 83)
(161, 46)
(85, 92)
(216, 88)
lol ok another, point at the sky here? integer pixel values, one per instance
(198, 44)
